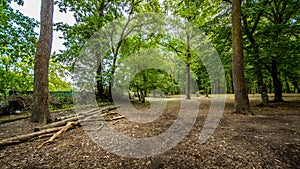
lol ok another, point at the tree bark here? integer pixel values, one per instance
(276, 83)
(296, 87)
(288, 90)
(40, 108)
(240, 87)
(188, 71)
(111, 83)
(250, 34)
(100, 87)
(261, 86)
(232, 86)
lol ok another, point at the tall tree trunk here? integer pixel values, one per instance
(232, 86)
(296, 87)
(188, 71)
(240, 87)
(261, 86)
(40, 108)
(276, 83)
(288, 90)
(250, 34)
(138, 92)
(142, 94)
(100, 87)
(111, 83)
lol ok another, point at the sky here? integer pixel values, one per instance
(31, 8)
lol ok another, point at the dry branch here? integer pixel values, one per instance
(116, 118)
(15, 118)
(24, 137)
(102, 119)
(57, 126)
(65, 128)
(64, 117)
(76, 117)
(62, 110)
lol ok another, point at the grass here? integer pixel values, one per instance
(285, 96)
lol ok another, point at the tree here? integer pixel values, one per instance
(250, 31)
(90, 17)
(279, 39)
(18, 43)
(240, 86)
(40, 108)
(188, 10)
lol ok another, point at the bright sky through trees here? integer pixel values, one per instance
(31, 8)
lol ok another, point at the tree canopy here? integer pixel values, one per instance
(270, 30)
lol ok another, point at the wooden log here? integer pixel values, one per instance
(76, 117)
(73, 115)
(15, 118)
(62, 110)
(61, 129)
(24, 137)
(64, 117)
(102, 119)
(117, 118)
(56, 124)
(64, 129)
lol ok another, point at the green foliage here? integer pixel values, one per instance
(152, 79)
(60, 100)
(18, 42)
(274, 25)
(56, 74)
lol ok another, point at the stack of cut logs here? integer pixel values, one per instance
(60, 125)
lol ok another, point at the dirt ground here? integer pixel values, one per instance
(269, 139)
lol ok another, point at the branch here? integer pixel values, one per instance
(24, 137)
(227, 1)
(76, 117)
(178, 52)
(259, 16)
(64, 129)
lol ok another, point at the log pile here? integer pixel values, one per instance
(60, 126)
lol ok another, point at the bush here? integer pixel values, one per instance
(60, 100)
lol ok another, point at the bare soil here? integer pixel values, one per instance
(269, 139)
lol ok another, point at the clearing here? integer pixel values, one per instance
(270, 139)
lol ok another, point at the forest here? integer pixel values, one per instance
(171, 83)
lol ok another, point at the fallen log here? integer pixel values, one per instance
(62, 110)
(102, 119)
(73, 115)
(76, 117)
(14, 118)
(56, 124)
(24, 137)
(117, 118)
(64, 129)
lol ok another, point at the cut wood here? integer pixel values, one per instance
(76, 117)
(15, 118)
(24, 137)
(62, 110)
(116, 118)
(56, 124)
(64, 117)
(65, 128)
(45, 131)
(84, 113)
(45, 135)
(102, 119)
